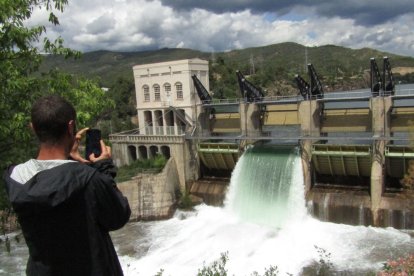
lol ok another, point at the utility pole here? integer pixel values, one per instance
(252, 69)
(213, 57)
(306, 59)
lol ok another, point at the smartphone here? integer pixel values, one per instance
(93, 144)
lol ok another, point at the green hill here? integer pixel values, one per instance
(271, 67)
(108, 66)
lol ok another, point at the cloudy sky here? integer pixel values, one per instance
(221, 25)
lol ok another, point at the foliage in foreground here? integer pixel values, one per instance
(399, 267)
(217, 268)
(323, 267)
(22, 51)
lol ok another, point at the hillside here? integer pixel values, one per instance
(108, 66)
(271, 67)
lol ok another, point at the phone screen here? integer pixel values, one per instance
(93, 144)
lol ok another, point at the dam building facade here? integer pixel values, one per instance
(167, 110)
(355, 146)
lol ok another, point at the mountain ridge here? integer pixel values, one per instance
(270, 64)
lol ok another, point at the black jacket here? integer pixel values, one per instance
(66, 213)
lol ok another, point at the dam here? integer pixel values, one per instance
(354, 146)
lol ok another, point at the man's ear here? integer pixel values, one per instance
(32, 127)
(72, 127)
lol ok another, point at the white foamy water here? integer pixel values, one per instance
(258, 234)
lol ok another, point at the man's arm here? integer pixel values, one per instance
(112, 208)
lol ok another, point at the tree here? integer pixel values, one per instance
(21, 83)
(123, 94)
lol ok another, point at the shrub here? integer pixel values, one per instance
(217, 268)
(399, 267)
(185, 201)
(153, 165)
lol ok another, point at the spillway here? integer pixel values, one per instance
(266, 186)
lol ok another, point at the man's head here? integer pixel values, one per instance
(53, 118)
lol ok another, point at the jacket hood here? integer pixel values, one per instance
(49, 188)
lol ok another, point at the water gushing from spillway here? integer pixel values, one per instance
(267, 187)
(264, 222)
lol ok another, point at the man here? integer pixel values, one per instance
(66, 207)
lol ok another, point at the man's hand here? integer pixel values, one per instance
(105, 153)
(74, 153)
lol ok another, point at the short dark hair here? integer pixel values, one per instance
(50, 117)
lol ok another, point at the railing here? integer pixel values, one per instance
(159, 130)
(404, 93)
(170, 130)
(204, 135)
(180, 130)
(156, 139)
(149, 130)
(363, 94)
(222, 101)
(297, 98)
(298, 138)
(163, 134)
(347, 96)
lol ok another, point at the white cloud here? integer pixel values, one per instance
(135, 25)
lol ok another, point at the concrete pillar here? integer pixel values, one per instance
(377, 179)
(176, 127)
(250, 119)
(185, 156)
(192, 161)
(204, 119)
(117, 154)
(153, 122)
(164, 122)
(309, 118)
(380, 110)
(306, 156)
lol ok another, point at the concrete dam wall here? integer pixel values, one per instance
(152, 196)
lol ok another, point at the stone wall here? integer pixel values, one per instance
(354, 207)
(152, 196)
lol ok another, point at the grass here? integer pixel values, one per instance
(153, 165)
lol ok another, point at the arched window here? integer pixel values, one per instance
(146, 92)
(167, 89)
(132, 150)
(153, 151)
(165, 150)
(157, 93)
(179, 90)
(143, 152)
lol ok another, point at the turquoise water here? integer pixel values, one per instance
(261, 190)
